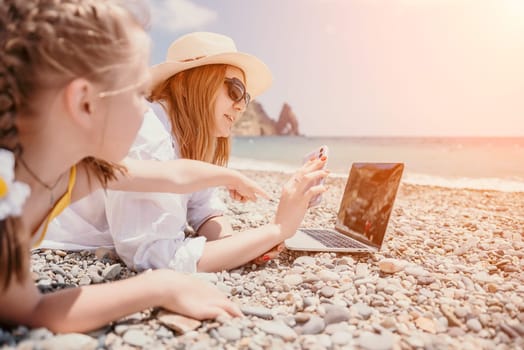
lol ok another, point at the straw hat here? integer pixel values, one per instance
(201, 48)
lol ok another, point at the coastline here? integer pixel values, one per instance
(507, 184)
(459, 284)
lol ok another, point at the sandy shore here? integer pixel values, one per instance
(459, 284)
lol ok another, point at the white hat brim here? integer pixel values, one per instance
(257, 74)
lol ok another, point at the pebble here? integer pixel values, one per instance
(293, 279)
(474, 325)
(362, 310)
(341, 338)
(229, 333)
(136, 337)
(327, 291)
(111, 272)
(178, 323)
(336, 314)
(71, 341)
(277, 328)
(314, 325)
(373, 341)
(326, 275)
(391, 265)
(257, 311)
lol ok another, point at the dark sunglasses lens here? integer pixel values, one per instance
(235, 92)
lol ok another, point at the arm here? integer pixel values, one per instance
(240, 248)
(206, 203)
(205, 213)
(183, 176)
(151, 168)
(71, 310)
(215, 228)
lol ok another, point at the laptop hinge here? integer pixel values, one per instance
(357, 237)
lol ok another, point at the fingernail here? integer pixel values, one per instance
(323, 158)
(266, 258)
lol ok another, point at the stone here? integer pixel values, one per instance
(257, 311)
(372, 341)
(314, 325)
(111, 272)
(71, 341)
(136, 337)
(178, 323)
(326, 275)
(336, 314)
(293, 279)
(474, 325)
(229, 333)
(453, 321)
(390, 265)
(327, 291)
(305, 261)
(361, 310)
(341, 338)
(302, 317)
(416, 271)
(277, 328)
(426, 325)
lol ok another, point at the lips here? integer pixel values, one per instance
(230, 118)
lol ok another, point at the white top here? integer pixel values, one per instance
(147, 228)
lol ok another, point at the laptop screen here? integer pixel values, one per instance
(368, 201)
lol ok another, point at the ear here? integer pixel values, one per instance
(80, 99)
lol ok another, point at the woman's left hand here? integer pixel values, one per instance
(271, 254)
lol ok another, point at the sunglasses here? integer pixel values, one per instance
(236, 90)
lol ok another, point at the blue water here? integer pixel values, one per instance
(481, 163)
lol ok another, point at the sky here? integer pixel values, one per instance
(373, 67)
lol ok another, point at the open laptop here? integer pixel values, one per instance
(364, 212)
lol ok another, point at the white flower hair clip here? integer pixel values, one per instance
(13, 194)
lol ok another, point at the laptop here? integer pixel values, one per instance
(363, 215)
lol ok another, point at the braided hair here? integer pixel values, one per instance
(46, 44)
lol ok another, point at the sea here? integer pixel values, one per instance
(472, 162)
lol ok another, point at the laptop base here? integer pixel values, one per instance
(304, 242)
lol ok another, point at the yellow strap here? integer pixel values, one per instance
(60, 205)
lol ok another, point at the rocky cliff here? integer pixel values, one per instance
(256, 122)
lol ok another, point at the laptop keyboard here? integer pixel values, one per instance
(332, 240)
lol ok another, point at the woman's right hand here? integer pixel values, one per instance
(245, 189)
(189, 296)
(297, 193)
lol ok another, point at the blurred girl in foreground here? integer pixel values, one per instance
(73, 75)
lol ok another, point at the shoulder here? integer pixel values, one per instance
(161, 115)
(153, 141)
(152, 126)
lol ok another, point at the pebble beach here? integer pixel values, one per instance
(450, 275)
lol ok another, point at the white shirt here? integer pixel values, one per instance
(147, 229)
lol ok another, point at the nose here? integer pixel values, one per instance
(240, 105)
